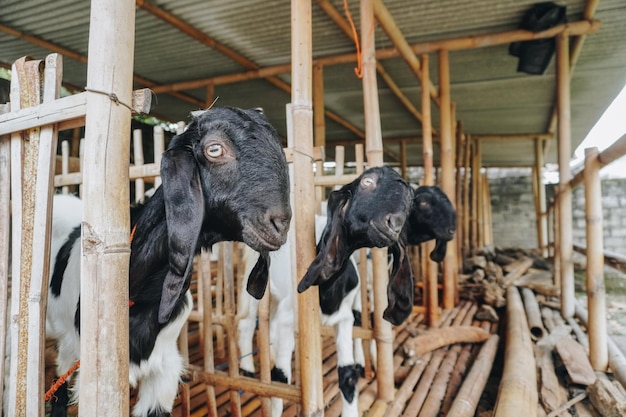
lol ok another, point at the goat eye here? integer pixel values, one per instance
(214, 150)
(368, 182)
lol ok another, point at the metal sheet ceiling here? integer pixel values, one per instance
(490, 96)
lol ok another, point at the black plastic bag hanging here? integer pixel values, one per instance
(534, 56)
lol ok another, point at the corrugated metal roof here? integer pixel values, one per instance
(491, 96)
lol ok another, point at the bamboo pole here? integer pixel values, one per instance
(5, 221)
(447, 174)
(207, 314)
(466, 400)
(65, 162)
(431, 270)
(487, 222)
(540, 201)
(263, 338)
(32, 179)
(138, 160)
(104, 289)
(517, 395)
(533, 314)
(374, 151)
(466, 195)
(617, 361)
(319, 122)
(458, 181)
(596, 293)
(434, 400)
(300, 118)
(476, 164)
(565, 191)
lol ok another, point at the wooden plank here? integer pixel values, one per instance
(576, 361)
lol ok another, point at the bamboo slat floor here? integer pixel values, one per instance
(453, 358)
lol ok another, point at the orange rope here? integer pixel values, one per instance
(359, 59)
(55, 387)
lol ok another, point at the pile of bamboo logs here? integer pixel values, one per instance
(488, 274)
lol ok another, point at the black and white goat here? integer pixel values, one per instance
(224, 178)
(369, 212)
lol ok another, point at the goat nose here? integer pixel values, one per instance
(395, 222)
(279, 220)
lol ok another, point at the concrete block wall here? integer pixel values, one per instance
(513, 212)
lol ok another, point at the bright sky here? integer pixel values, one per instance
(610, 127)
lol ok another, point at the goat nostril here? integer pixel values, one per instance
(395, 222)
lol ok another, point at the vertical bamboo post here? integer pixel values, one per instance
(105, 247)
(477, 192)
(431, 292)
(565, 191)
(403, 160)
(5, 221)
(140, 188)
(207, 319)
(596, 294)
(159, 147)
(460, 205)
(540, 201)
(301, 117)
(556, 210)
(230, 323)
(319, 121)
(65, 163)
(486, 199)
(374, 151)
(447, 174)
(466, 195)
(476, 162)
(33, 183)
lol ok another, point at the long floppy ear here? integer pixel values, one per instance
(439, 252)
(400, 286)
(257, 280)
(184, 213)
(332, 249)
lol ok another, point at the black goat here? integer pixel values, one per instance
(224, 178)
(432, 216)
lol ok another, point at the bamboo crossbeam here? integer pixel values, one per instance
(581, 27)
(609, 155)
(218, 378)
(517, 395)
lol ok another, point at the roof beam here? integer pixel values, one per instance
(453, 44)
(231, 53)
(336, 17)
(82, 58)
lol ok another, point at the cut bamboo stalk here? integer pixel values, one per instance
(263, 341)
(466, 195)
(540, 200)
(437, 338)
(533, 314)
(565, 191)
(466, 400)
(475, 216)
(437, 392)
(596, 293)
(517, 395)
(518, 269)
(319, 121)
